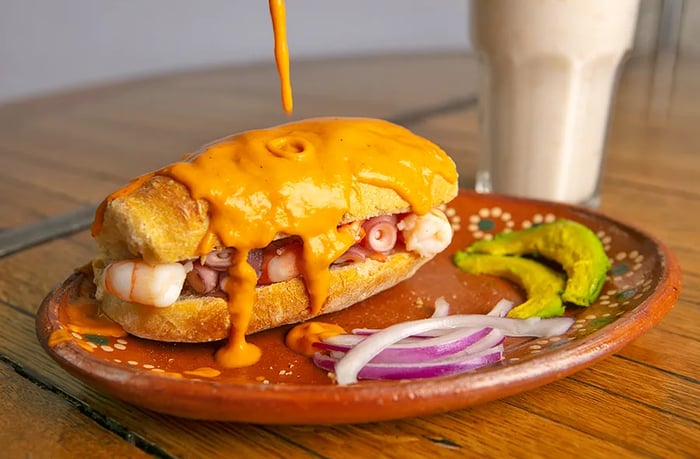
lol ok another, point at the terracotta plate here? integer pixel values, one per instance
(285, 388)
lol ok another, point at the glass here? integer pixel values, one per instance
(548, 70)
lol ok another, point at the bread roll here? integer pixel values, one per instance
(161, 223)
(201, 319)
(301, 179)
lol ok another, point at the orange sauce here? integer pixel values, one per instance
(85, 317)
(64, 335)
(297, 179)
(171, 374)
(279, 26)
(59, 336)
(301, 338)
(205, 372)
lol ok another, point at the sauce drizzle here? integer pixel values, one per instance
(297, 179)
(301, 338)
(279, 26)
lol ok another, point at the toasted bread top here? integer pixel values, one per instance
(386, 166)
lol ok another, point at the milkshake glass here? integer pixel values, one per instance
(548, 70)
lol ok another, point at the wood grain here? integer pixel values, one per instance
(60, 152)
(42, 423)
(75, 148)
(481, 430)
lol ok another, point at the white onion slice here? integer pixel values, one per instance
(421, 350)
(501, 309)
(348, 368)
(441, 367)
(442, 308)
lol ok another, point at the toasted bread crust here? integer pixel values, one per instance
(158, 222)
(202, 319)
(161, 223)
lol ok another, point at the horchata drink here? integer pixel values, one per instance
(548, 73)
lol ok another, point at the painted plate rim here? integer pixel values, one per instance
(369, 401)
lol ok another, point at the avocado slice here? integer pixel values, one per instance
(542, 285)
(575, 247)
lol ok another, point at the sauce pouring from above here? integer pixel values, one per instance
(278, 15)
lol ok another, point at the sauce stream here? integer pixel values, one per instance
(278, 15)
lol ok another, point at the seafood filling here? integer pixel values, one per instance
(376, 238)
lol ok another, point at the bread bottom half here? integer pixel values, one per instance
(201, 319)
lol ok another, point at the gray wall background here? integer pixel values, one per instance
(52, 45)
(55, 45)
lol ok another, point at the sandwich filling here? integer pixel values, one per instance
(304, 192)
(376, 238)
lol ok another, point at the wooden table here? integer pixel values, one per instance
(61, 154)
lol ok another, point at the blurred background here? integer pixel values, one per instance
(49, 45)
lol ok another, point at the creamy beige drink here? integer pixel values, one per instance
(547, 77)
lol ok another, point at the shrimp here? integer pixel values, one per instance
(426, 234)
(154, 285)
(283, 263)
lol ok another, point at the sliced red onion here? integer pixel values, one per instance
(442, 367)
(493, 338)
(202, 279)
(501, 309)
(421, 350)
(354, 254)
(348, 368)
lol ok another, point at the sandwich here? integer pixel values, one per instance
(270, 227)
